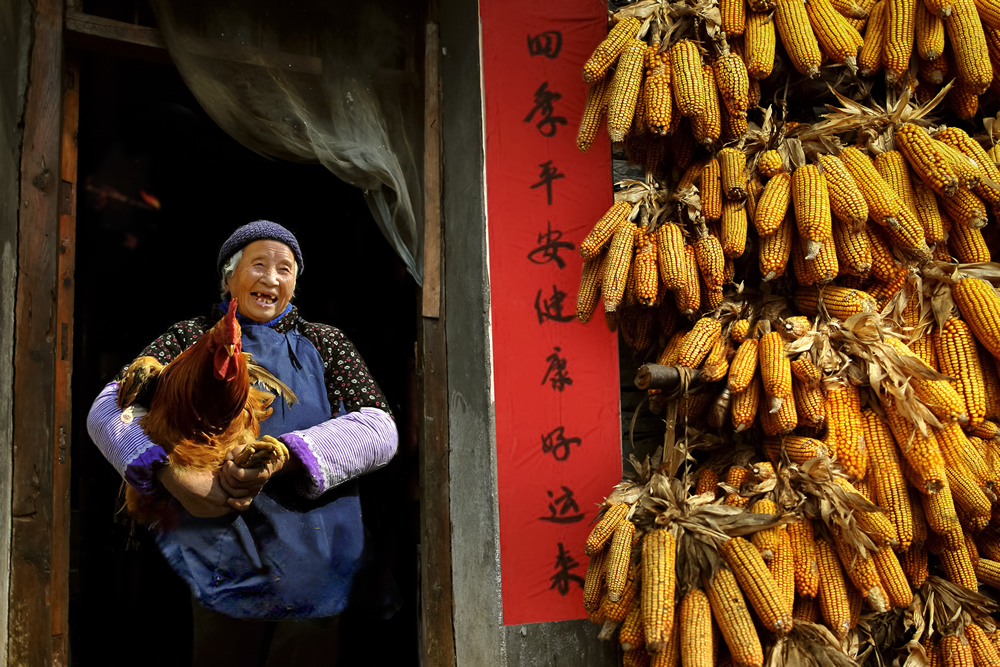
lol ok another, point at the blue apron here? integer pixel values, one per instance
(286, 557)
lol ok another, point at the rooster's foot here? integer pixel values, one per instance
(265, 451)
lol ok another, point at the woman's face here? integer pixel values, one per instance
(264, 280)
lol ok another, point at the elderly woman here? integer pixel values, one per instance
(284, 541)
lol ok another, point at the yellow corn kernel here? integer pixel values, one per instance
(926, 159)
(590, 289)
(711, 191)
(659, 103)
(740, 330)
(775, 367)
(890, 485)
(963, 100)
(935, 71)
(928, 213)
(773, 204)
(883, 205)
(980, 306)
(766, 541)
(745, 404)
(770, 163)
(921, 452)
(605, 228)
(958, 357)
(893, 578)
(687, 78)
(670, 255)
(617, 610)
(968, 244)
(837, 37)
(593, 588)
(899, 32)
(733, 167)
(593, 111)
(861, 571)
(893, 168)
(810, 404)
(624, 90)
(659, 557)
(884, 265)
(707, 125)
(968, 46)
(798, 37)
(733, 127)
(698, 342)
(965, 209)
(806, 609)
(812, 208)
(733, 82)
(870, 56)
(839, 302)
(854, 255)
(610, 48)
(696, 636)
(734, 228)
(618, 265)
(733, 17)
(631, 636)
(761, 41)
(958, 568)
(688, 295)
(743, 367)
(833, 601)
(605, 528)
(929, 33)
(733, 618)
(846, 200)
(708, 481)
(845, 428)
(757, 583)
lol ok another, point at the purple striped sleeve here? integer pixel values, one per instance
(123, 442)
(341, 449)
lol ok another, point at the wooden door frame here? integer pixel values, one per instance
(37, 618)
(43, 313)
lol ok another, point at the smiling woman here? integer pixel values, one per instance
(292, 553)
(263, 280)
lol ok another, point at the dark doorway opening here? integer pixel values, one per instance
(144, 142)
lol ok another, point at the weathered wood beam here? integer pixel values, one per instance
(66, 266)
(97, 26)
(437, 605)
(35, 325)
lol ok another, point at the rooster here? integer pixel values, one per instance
(203, 404)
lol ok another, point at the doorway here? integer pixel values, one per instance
(160, 188)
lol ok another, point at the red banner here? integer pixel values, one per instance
(555, 379)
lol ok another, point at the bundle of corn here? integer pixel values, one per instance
(884, 467)
(669, 566)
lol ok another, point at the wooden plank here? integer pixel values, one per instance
(437, 600)
(35, 324)
(66, 266)
(432, 173)
(88, 24)
(437, 604)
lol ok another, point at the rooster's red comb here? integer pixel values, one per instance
(231, 327)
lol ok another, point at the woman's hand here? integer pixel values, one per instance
(243, 484)
(199, 491)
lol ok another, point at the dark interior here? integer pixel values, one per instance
(140, 269)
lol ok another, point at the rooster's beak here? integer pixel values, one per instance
(230, 349)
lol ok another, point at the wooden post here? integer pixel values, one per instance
(436, 627)
(35, 334)
(66, 265)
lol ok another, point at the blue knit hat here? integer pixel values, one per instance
(260, 230)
